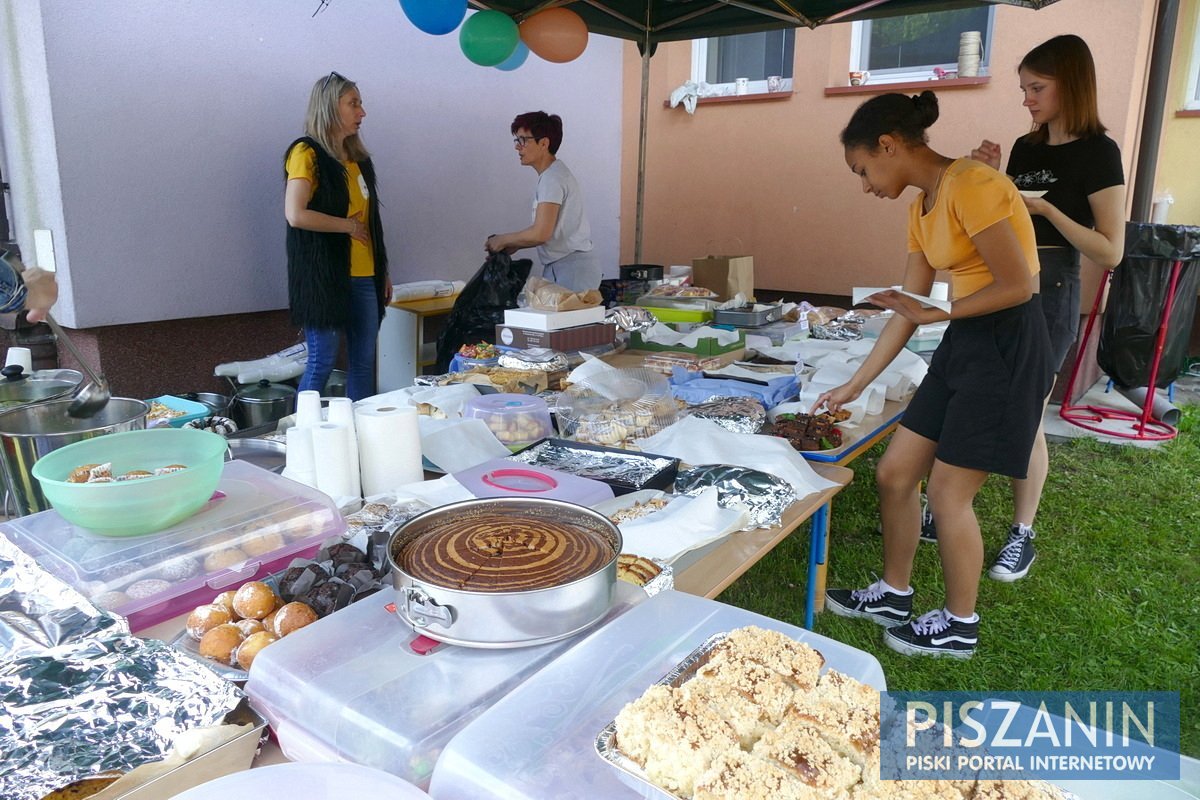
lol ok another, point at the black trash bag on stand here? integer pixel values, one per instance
(481, 305)
(1137, 297)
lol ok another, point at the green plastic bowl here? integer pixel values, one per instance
(134, 507)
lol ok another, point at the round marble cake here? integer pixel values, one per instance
(491, 552)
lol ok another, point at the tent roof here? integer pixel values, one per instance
(654, 21)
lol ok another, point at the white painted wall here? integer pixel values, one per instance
(170, 120)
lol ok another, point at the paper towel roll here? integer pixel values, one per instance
(389, 447)
(300, 465)
(337, 476)
(21, 356)
(308, 408)
(425, 290)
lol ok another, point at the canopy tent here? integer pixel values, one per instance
(649, 22)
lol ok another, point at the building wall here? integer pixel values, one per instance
(1179, 158)
(769, 178)
(149, 138)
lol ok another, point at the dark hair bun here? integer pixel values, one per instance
(926, 104)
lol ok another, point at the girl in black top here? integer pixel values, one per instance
(1074, 185)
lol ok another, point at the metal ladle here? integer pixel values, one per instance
(94, 395)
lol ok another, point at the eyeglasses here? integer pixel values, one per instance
(331, 76)
(521, 141)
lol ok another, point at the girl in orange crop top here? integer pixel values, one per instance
(979, 407)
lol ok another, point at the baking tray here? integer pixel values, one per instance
(748, 319)
(663, 479)
(685, 670)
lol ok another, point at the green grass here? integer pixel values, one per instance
(1112, 603)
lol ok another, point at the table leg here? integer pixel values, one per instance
(817, 544)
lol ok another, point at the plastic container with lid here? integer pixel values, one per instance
(539, 740)
(517, 420)
(356, 687)
(616, 406)
(256, 523)
(289, 781)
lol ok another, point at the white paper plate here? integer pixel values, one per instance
(1033, 194)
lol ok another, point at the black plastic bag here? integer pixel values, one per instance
(480, 307)
(1137, 297)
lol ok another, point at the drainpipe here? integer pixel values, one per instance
(1165, 22)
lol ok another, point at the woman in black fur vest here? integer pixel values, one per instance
(337, 263)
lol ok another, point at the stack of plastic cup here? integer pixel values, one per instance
(970, 53)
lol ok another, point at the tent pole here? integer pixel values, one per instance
(641, 168)
(1165, 22)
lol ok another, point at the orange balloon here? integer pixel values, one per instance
(556, 34)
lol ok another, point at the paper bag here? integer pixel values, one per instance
(725, 275)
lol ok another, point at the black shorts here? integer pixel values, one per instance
(1060, 299)
(982, 398)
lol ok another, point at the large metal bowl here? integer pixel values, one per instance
(505, 619)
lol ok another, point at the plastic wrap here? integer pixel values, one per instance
(762, 496)
(79, 695)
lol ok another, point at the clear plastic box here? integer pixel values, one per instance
(539, 740)
(517, 420)
(256, 523)
(616, 406)
(350, 687)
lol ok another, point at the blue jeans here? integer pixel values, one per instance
(361, 334)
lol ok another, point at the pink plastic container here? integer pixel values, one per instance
(256, 523)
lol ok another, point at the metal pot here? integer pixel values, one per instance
(263, 403)
(29, 432)
(505, 619)
(218, 404)
(18, 388)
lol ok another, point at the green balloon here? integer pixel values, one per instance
(488, 38)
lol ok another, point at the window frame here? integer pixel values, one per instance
(700, 72)
(859, 47)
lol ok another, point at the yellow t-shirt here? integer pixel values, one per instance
(302, 163)
(972, 198)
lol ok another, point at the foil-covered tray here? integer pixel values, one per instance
(623, 470)
(606, 741)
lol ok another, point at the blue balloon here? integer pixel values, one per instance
(516, 59)
(435, 16)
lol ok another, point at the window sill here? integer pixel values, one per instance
(881, 88)
(1188, 112)
(754, 97)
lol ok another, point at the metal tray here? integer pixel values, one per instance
(270, 454)
(685, 670)
(748, 319)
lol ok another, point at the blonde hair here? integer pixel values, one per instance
(321, 122)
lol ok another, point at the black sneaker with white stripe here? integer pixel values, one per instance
(875, 603)
(1016, 557)
(928, 527)
(934, 634)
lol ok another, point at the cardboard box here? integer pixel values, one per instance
(725, 275)
(566, 340)
(539, 320)
(707, 346)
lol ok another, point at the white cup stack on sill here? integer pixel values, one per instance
(970, 53)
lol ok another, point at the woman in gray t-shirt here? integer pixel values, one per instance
(560, 229)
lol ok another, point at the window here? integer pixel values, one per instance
(1192, 101)
(897, 49)
(721, 60)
